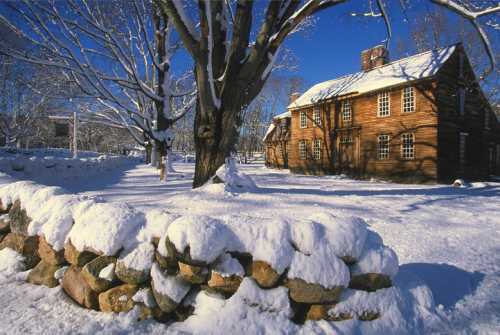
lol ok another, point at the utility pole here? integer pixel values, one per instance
(75, 135)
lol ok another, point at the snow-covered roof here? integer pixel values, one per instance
(283, 115)
(272, 126)
(411, 68)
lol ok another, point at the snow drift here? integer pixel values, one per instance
(212, 275)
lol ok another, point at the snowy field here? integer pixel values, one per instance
(449, 237)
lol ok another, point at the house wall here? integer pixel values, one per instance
(277, 144)
(364, 130)
(436, 125)
(422, 123)
(472, 122)
(309, 134)
(276, 154)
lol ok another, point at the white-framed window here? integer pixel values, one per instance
(461, 101)
(346, 110)
(408, 99)
(462, 150)
(408, 146)
(384, 104)
(346, 139)
(302, 149)
(316, 117)
(383, 147)
(303, 119)
(317, 149)
(486, 119)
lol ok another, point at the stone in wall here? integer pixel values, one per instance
(224, 284)
(78, 289)
(48, 254)
(43, 274)
(75, 257)
(92, 269)
(118, 299)
(370, 282)
(264, 274)
(24, 245)
(4, 224)
(19, 220)
(303, 292)
(129, 275)
(192, 273)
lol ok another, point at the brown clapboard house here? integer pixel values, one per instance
(421, 118)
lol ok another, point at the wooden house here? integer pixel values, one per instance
(421, 118)
(277, 141)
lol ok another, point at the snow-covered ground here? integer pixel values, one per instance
(49, 166)
(447, 236)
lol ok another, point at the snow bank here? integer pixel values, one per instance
(228, 266)
(140, 258)
(233, 179)
(10, 263)
(145, 296)
(51, 211)
(270, 301)
(345, 235)
(157, 222)
(105, 228)
(49, 165)
(251, 310)
(265, 240)
(206, 237)
(171, 286)
(55, 218)
(324, 249)
(322, 267)
(376, 258)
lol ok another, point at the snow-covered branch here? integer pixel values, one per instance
(116, 52)
(472, 17)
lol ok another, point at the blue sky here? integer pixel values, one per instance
(333, 47)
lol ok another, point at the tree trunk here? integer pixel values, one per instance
(154, 154)
(169, 162)
(148, 149)
(215, 138)
(163, 170)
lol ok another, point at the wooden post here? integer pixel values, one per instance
(75, 135)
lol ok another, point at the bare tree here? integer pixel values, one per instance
(436, 29)
(233, 60)
(116, 52)
(272, 100)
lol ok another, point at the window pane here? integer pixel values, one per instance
(317, 149)
(383, 147)
(346, 111)
(407, 146)
(302, 149)
(383, 104)
(408, 100)
(317, 116)
(303, 120)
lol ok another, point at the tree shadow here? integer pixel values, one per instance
(485, 191)
(449, 284)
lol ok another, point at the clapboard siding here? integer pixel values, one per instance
(435, 123)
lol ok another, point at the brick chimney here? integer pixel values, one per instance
(294, 96)
(374, 57)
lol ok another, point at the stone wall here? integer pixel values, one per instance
(158, 276)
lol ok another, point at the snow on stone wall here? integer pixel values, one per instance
(115, 259)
